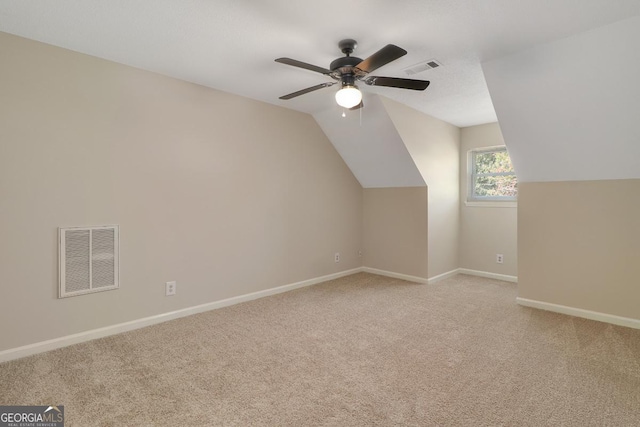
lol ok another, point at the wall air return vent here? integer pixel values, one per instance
(88, 260)
(423, 66)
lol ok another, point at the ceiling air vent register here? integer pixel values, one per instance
(88, 260)
(423, 66)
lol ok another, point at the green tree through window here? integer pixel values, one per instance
(492, 175)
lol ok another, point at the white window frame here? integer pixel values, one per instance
(488, 201)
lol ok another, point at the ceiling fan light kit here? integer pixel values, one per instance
(349, 69)
(348, 96)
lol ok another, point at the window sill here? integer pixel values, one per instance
(491, 204)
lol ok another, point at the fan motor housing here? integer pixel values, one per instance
(344, 62)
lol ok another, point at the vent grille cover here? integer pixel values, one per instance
(88, 260)
(423, 66)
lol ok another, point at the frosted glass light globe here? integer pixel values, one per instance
(348, 97)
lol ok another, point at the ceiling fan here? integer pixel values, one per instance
(349, 69)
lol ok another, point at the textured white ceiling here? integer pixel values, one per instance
(369, 143)
(231, 44)
(561, 117)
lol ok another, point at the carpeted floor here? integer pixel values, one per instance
(358, 351)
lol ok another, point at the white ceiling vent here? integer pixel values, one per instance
(423, 66)
(88, 260)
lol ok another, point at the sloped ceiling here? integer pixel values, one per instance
(230, 45)
(369, 143)
(569, 110)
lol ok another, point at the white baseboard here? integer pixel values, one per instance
(578, 312)
(394, 275)
(443, 276)
(488, 275)
(40, 347)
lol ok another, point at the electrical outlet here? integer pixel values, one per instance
(170, 289)
(337, 257)
(499, 258)
(359, 253)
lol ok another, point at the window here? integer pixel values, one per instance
(492, 176)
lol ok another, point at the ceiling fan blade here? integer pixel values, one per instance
(357, 107)
(397, 82)
(307, 90)
(300, 64)
(382, 57)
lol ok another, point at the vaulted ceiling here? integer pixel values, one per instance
(230, 45)
(569, 109)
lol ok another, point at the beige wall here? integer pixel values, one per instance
(222, 194)
(434, 146)
(485, 230)
(395, 230)
(579, 245)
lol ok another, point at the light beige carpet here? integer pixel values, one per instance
(359, 351)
